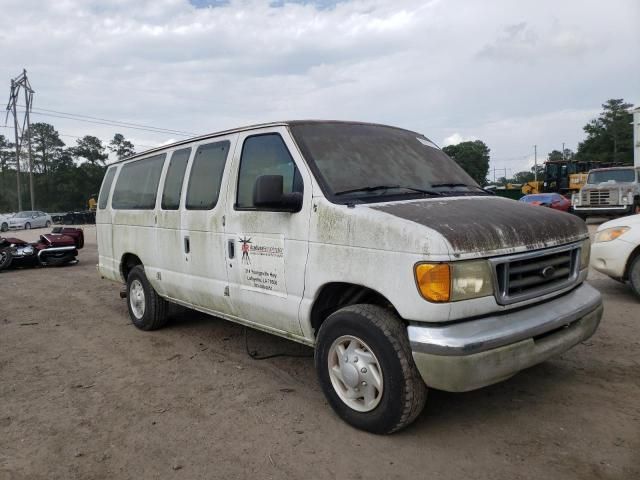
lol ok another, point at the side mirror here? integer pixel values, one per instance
(268, 193)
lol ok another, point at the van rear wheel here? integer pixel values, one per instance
(366, 370)
(147, 309)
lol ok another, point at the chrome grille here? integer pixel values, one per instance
(599, 197)
(533, 274)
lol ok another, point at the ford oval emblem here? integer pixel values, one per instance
(547, 272)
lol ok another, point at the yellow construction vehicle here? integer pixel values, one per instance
(92, 203)
(532, 187)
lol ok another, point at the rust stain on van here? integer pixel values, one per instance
(491, 224)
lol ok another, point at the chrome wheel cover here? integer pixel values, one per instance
(136, 299)
(355, 373)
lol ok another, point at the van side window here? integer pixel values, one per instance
(206, 175)
(137, 185)
(173, 181)
(106, 188)
(265, 155)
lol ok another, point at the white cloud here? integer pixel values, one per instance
(512, 74)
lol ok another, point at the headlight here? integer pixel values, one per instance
(609, 234)
(445, 282)
(585, 254)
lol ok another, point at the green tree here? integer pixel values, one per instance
(91, 149)
(610, 136)
(523, 177)
(122, 147)
(7, 154)
(7, 175)
(473, 157)
(47, 146)
(557, 155)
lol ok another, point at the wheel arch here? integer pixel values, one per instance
(128, 261)
(635, 254)
(336, 295)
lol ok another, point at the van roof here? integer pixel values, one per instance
(286, 123)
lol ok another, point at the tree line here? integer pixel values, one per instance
(64, 177)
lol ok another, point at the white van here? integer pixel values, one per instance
(364, 241)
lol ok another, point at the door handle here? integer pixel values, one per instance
(232, 249)
(187, 245)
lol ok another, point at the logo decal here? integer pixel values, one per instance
(246, 247)
(547, 272)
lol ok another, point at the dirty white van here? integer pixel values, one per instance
(364, 241)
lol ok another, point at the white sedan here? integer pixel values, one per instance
(30, 219)
(616, 250)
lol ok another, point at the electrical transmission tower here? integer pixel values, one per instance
(22, 127)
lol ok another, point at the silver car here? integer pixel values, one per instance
(4, 222)
(30, 219)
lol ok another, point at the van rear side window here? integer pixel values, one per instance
(175, 176)
(206, 175)
(137, 185)
(106, 188)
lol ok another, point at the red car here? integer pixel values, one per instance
(60, 247)
(551, 200)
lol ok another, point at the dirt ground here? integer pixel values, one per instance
(84, 394)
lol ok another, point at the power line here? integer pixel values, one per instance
(123, 123)
(75, 136)
(113, 124)
(167, 130)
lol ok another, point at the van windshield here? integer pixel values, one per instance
(366, 162)
(602, 176)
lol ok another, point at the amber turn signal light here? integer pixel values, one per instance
(434, 281)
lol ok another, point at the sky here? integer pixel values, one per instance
(513, 74)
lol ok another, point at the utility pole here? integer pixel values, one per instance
(22, 82)
(535, 163)
(563, 151)
(12, 103)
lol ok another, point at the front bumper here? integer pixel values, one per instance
(469, 355)
(611, 257)
(603, 211)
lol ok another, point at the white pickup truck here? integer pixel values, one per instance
(611, 191)
(364, 241)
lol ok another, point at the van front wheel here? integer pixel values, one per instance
(366, 370)
(147, 309)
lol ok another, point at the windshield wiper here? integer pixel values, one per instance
(388, 187)
(451, 185)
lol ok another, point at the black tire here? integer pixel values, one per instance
(5, 259)
(4, 227)
(634, 275)
(404, 392)
(154, 315)
(48, 224)
(27, 226)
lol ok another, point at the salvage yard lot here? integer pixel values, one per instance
(84, 394)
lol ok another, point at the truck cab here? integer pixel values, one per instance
(609, 192)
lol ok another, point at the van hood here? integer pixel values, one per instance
(485, 225)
